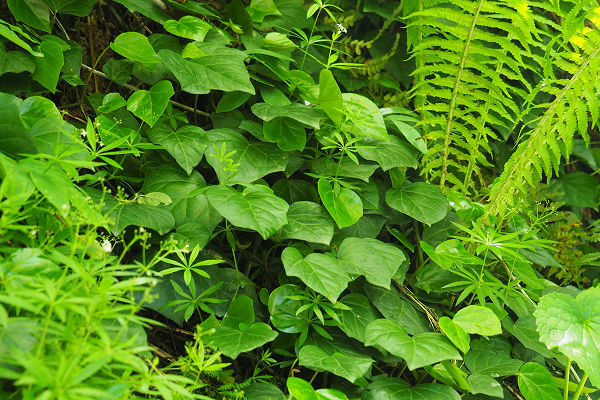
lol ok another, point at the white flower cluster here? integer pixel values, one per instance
(341, 28)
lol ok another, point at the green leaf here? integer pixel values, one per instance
(259, 9)
(14, 135)
(231, 100)
(577, 189)
(239, 313)
(195, 219)
(135, 47)
(300, 389)
(15, 62)
(257, 208)
(418, 351)
(422, 201)
(283, 309)
(330, 97)
(112, 102)
(455, 333)
(396, 308)
(186, 145)
(329, 167)
(486, 385)
(376, 260)
(124, 214)
(411, 134)
(392, 154)
(221, 69)
(395, 389)
(354, 321)
(263, 391)
(321, 272)
(298, 112)
(255, 159)
(188, 27)
(573, 325)
(344, 206)
(118, 71)
(287, 133)
(347, 366)
(492, 357)
(535, 382)
(363, 118)
(478, 320)
(80, 8)
(47, 68)
(307, 221)
(146, 8)
(148, 105)
(232, 341)
(34, 13)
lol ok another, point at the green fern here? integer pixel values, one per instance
(574, 91)
(467, 54)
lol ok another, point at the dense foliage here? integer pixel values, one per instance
(278, 199)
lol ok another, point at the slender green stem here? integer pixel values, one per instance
(567, 375)
(310, 39)
(579, 387)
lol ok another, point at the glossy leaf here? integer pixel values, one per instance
(135, 47)
(535, 382)
(255, 208)
(395, 389)
(47, 68)
(34, 13)
(485, 385)
(307, 221)
(345, 365)
(363, 118)
(478, 320)
(573, 325)
(298, 112)
(355, 320)
(492, 357)
(188, 27)
(421, 201)
(393, 154)
(344, 205)
(411, 134)
(186, 145)
(330, 97)
(287, 133)
(148, 105)
(455, 333)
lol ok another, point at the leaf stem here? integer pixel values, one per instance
(567, 375)
(579, 387)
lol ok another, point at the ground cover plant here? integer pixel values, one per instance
(278, 199)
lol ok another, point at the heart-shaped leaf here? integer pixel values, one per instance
(421, 201)
(492, 357)
(536, 382)
(418, 351)
(188, 27)
(148, 105)
(347, 366)
(298, 112)
(344, 206)
(186, 145)
(363, 118)
(455, 333)
(355, 320)
(478, 320)
(135, 47)
(396, 389)
(287, 133)
(256, 208)
(307, 221)
(573, 325)
(392, 154)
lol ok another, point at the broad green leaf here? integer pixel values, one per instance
(411, 134)
(524, 330)
(186, 145)
(298, 112)
(330, 394)
(376, 260)
(15, 61)
(47, 68)
(14, 135)
(255, 159)
(577, 189)
(535, 382)
(485, 385)
(220, 69)
(397, 389)
(195, 219)
(146, 8)
(392, 154)
(34, 13)
(287, 133)
(188, 27)
(232, 341)
(263, 391)
(293, 190)
(347, 366)
(135, 47)
(418, 351)
(112, 102)
(232, 100)
(307, 221)
(363, 118)
(478, 320)
(330, 97)
(492, 357)
(329, 167)
(148, 105)
(321, 272)
(259, 9)
(344, 206)
(422, 201)
(354, 321)
(455, 333)
(118, 71)
(283, 309)
(256, 208)
(239, 313)
(124, 214)
(573, 325)
(80, 8)
(396, 308)
(300, 389)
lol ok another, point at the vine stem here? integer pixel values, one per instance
(579, 387)
(309, 39)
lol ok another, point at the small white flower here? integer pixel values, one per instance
(33, 233)
(341, 28)
(106, 246)
(451, 203)
(543, 83)
(142, 230)
(306, 103)
(83, 133)
(186, 249)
